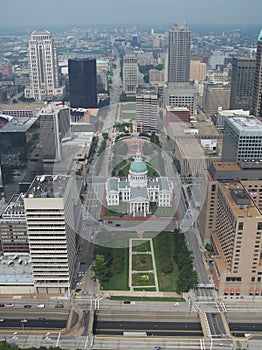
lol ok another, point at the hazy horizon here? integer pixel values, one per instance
(28, 13)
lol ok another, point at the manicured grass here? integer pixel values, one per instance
(144, 246)
(158, 164)
(166, 281)
(132, 298)
(131, 106)
(152, 289)
(128, 115)
(118, 281)
(117, 211)
(142, 262)
(143, 279)
(164, 212)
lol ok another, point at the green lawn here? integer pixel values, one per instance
(118, 281)
(166, 281)
(143, 279)
(131, 106)
(127, 115)
(144, 246)
(149, 289)
(142, 262)
(117, 211)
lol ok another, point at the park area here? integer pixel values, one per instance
(159, 264)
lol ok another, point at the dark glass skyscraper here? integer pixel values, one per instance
(243, 69)
(82, 83)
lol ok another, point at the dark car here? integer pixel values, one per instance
(127, 302)
(59, 306)
(118, 224)
(27, 306)
(41, 318)
(2, 305)
(77, 290)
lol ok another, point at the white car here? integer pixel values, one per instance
(41, 305)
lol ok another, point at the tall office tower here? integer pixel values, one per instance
(43, 67)
(146, 109)
(130, 74)
(256, 107)
(243, 69)
(13, 229)
(82, 83)
(179, 54)
(242, 139)
(54, 127)
(50, 206)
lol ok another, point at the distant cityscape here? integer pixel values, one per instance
(131, 170)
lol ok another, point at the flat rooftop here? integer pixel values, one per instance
(48, 186)
(226, 166)
(16, 269)
(21, 106)
(21, 124)
(14, 208)
(251, 124)
(239, 200)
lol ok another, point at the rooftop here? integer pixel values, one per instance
(16, 269)
(250, 123)
(239, 199)
(21, 124)
(48, 186)
(15, 207)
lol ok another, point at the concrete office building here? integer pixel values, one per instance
(130, 74)
(54, 127)
(51, 205)
(13, 229)
(82, 83)
(43, 67)
(242, 139)
(197, 70)
(179, 54)
(222, 114)
(256, 106)
(180, 95)
(243, 69)
(214, 96)
(146, 109)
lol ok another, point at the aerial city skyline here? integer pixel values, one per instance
(131, 173)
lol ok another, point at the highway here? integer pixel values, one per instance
(29, 324)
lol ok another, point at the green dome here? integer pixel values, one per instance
(138, 166)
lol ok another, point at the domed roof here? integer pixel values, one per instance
(138, 165)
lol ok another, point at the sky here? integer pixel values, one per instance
(88, 12)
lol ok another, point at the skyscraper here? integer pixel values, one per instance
(130, 74)
(256, 108)
(243, 69)
(82, 83)
(43, 67)
(146, 109)
(179, 54)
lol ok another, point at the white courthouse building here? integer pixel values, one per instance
(138, 191)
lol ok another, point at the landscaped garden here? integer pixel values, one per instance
(144, 246)
(142, 262)
(143, 279)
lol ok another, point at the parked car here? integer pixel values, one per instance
(127, 302)
(41, 305)
(59, 306)
(2, 305)
(27, 306)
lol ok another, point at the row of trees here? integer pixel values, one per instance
(187, 277)
(108, 261)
